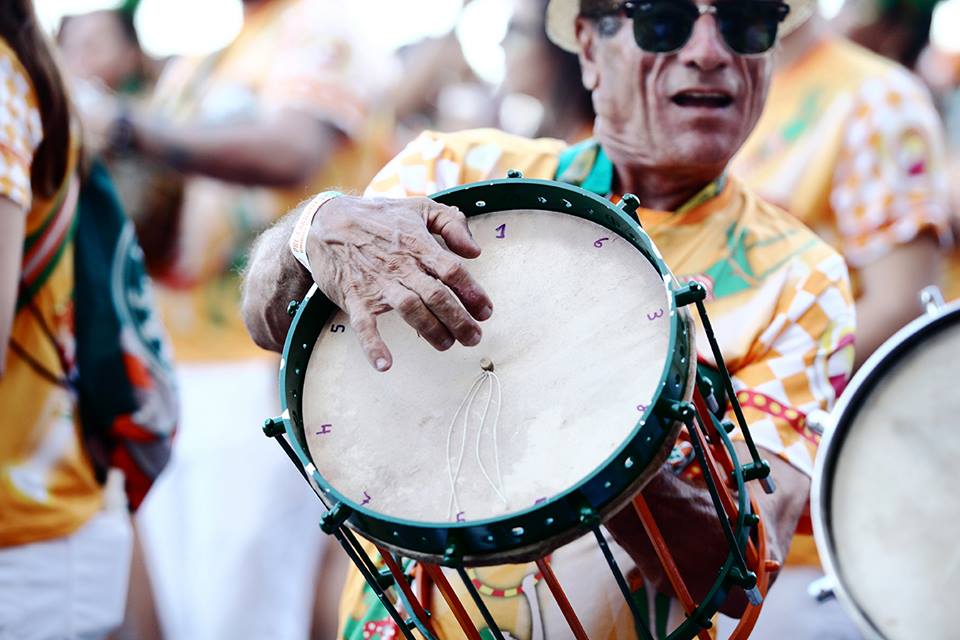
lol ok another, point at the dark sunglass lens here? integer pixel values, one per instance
(663, 25)
(749, 27)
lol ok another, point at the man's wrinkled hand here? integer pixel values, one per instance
(371, 255)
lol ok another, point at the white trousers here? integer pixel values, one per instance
(69, 588)
(230, 529)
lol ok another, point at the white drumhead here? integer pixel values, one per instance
(578, 339)
(895, 513)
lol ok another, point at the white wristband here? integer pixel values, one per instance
(298, 239)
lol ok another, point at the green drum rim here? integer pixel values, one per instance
(422, 540)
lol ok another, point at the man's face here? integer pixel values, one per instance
(688, 111)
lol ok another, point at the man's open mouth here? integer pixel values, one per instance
(707, 99)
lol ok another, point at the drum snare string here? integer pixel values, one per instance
(466, 406)
(498, 486)
(451, 474)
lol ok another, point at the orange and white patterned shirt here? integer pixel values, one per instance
(47, 484)
(781, 307)
(852, 145)
(291, 55)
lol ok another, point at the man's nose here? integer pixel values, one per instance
(705, 49)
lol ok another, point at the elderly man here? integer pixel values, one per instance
(677, 87)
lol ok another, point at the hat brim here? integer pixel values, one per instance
(562, 16)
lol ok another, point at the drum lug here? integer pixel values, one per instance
(452, 555)
(682, 411)
(759, 470)
(822, 589)
(768, 485)
(630, 203)
(690, 293)
(385, 579)
(705, 387)
(292, 307)
(753, 596)
(273, 427)
(589, 517)
(333, 519)
(746, 580)
(818, 421)
(932, 300)
(514, 173)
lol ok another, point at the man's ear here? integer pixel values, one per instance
(586, 37)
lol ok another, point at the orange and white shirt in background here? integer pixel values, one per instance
(852, 145)
(47, 484)
(781, 306)
(291, 54)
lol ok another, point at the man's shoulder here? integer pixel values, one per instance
(482, 144)
(781, 238)
(435, 161)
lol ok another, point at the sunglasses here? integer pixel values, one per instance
(748, 27)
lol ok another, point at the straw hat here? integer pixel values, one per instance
(562, 14)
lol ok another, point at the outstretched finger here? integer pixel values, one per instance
(415, 313)
(364, 324)
(443, 304)
(451, 271)
(451, 225)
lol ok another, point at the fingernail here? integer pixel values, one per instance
(473, 339)
(486, 312)
(446, 344)
(381, 364)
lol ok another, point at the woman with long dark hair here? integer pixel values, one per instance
(64, 548)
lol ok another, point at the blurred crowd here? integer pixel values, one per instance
(205, 152)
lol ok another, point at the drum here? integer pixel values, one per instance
(886, 517)
(503, 452)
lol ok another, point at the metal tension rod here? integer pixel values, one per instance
(758, 469)
(741, 563)
(420, 616)
(332, 524)
(638, 618)
(477, 600)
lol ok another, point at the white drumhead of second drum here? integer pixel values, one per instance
(578, 341)
(895, 512)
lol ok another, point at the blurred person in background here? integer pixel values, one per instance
(284, 110)
(104, 47)
(541, 95)
(895, 29)
(858, 155)
(101, 52)
(65, 546)
(439, 90)
(939, 66)
(852, 145)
